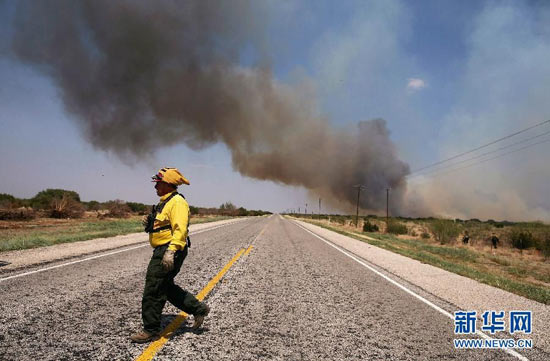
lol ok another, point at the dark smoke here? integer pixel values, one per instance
(140, 75)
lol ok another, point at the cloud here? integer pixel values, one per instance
(416, 84)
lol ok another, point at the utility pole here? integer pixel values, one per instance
(306, 208)
(319, 206)
(298, 210)
(387, 205)
(359, 187)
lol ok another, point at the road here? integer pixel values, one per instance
(292, 297)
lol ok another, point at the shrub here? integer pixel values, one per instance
(444, 230)
(413, 233)
(138, 207)
(19, 214)
(66, 207)
(228, 209)
(395, 227)
(370, 227)
(521, 239)
(258, 212)
(425, 235)
(92, 205)
(117, 209)
(194, 210)
(8, 198)
(9, 201)
(228, 206)
(242, 211)
(545, 246)
(340, 220)
(44, 199)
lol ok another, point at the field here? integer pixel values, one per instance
(47, 231)
(525, 272)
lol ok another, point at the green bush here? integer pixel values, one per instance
(444, 230)
(194, 210)
(425, 235)
(138, 207)
(4, 197)
(370, 227)
(44, 199)
(521, 239)
(92, 205)
(395, 227)
(9, 201)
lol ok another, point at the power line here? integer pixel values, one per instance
(498, 156)
(481, 147)
(412, 175)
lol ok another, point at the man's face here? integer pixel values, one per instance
(163, 188)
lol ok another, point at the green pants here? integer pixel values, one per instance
(160, 287)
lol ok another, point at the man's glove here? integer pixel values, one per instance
(168, 260)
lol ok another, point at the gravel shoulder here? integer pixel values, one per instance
(21, 259)
(458, 291)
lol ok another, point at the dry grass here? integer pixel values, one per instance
(47, 231)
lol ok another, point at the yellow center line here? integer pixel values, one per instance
(259, 235)
(155, 346)
(255, 238)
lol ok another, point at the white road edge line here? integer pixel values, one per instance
(107, 254)
(355, 258)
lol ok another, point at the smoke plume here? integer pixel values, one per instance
(141, 75)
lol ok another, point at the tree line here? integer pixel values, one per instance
(62, 203)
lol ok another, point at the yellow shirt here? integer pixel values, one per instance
(176, 214)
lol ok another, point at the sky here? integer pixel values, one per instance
(445, 76)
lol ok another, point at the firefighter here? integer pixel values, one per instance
(168, 228)
(466, 237)
(494, 240)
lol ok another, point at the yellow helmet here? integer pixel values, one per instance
(170, 175)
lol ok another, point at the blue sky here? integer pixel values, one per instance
(447, 76)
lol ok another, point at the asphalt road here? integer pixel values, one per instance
(293, 297)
